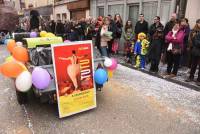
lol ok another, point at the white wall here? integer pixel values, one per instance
(192, 11)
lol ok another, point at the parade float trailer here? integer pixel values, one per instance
(50, 70)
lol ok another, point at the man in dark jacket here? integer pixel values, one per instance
(154, 26)
(59, 28)
(34, 20)
(170, 24)
(141, 25)
(52, 26)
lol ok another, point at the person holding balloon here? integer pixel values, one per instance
(101, 75)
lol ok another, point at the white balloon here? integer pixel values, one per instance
(107, 62)
(19, 43)
(24, 81)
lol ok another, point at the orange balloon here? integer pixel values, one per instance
(11, 69)
(20, 54)
(11, 45)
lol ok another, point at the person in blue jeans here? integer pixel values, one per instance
(103, 37)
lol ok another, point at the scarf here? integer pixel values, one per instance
(173, 35)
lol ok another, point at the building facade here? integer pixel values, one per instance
(192, 11)
(44, 7)
(130, 9)
(71, 9)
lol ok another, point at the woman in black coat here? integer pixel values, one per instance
(195, 50)
(155, 49)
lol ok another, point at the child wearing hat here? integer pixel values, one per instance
(140, 50)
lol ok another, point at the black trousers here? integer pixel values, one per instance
(195, 63)
(173, 61)
(110, 47)
(154, 65)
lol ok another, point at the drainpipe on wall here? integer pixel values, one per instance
(54, 15)
(106, 8)
(140, 7)
(159, 5)
(125, 14)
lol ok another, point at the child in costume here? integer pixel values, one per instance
(129, 44)
(140, 50)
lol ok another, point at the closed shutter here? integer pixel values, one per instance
(77, 15)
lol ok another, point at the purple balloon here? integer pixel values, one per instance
(67, 41)
(33, 34)
(40, 78)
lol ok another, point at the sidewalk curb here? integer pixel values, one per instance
(167, 79)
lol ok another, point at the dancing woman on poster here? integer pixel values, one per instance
(73, 69)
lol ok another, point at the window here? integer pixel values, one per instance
(100, 11)
(133, 13)
(58, 16)
(116, 9)
(64, 16)
(149, 9)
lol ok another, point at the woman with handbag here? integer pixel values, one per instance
(175, 40)
(195, 52)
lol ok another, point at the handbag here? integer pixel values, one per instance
(176, 49)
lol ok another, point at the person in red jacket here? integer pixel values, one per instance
(175, 39)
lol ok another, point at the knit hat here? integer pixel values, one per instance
(198, 21)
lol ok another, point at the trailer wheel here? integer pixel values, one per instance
(22, 98)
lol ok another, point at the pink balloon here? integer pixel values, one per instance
(114, 64)
(66, 41)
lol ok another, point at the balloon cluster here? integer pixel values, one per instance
(46, 34)
(101, 75)
(14, 67)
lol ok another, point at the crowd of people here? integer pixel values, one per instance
(174, 44)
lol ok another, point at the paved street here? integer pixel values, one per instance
(131, 103)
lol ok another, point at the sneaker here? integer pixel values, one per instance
(170, 76)
(165, 74)
(189, 80)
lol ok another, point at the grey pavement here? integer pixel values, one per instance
(131, 102)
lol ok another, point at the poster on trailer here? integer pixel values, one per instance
(73, 68)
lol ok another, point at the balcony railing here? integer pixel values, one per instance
(60, 2)
(9, 3)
